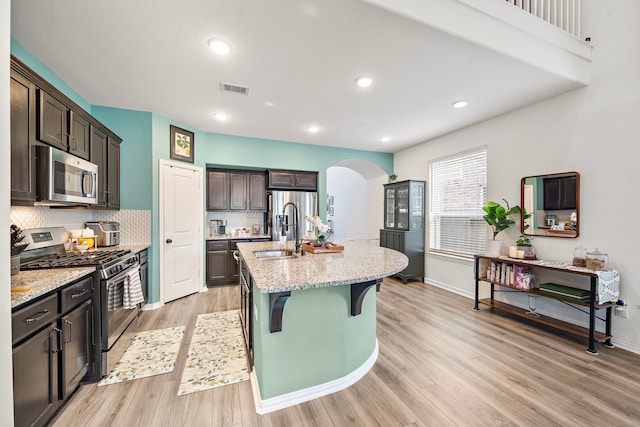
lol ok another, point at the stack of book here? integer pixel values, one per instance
(565, 292)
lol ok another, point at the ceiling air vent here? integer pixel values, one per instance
(228, 87)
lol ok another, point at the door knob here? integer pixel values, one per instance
(169, 241)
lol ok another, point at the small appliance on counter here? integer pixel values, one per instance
(107, 233)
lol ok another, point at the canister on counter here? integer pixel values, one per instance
(596, 260)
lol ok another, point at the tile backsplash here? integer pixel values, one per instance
(135, 225)
(238, 219)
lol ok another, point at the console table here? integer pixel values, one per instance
(483, 261)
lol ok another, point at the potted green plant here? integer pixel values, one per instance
(393, 177)
(498, 218)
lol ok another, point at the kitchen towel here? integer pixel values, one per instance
(132, 292)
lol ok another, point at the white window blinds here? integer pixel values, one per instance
(457, 192)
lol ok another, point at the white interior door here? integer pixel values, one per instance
(181, 208)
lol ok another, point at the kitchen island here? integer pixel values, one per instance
(310, 323)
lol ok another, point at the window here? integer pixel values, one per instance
(457, 192)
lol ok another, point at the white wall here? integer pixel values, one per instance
(6, 371)
(357, 203)
(593, 130)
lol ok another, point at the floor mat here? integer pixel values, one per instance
(217, 354)
(150, 353)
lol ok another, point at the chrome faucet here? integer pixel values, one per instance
(296, 224)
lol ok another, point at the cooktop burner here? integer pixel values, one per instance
(76, 259)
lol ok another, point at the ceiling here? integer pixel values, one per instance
(299, 59)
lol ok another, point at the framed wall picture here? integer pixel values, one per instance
(182, 144)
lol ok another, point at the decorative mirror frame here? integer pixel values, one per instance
(547, 231)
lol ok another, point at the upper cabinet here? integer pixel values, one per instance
(23, 166)
(61, 127)
(293, 180)
(404, 205)
(41, 114)
(236, 190)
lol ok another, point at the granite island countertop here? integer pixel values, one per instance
(359, 262)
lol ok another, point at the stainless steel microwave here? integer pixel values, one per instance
(64, 179)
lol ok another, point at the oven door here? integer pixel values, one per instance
(115, 318)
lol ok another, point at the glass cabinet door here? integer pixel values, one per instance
(417, 206)
(402, 206)
(389, 207)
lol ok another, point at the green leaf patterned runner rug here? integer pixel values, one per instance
(217, 354)
(150, 353)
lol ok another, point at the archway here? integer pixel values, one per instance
(355, 199)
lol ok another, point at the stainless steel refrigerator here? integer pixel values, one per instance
(305, 201)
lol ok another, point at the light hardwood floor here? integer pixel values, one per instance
(441, 363)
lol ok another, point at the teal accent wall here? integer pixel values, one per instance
(45, 72)
(320, 341)
(135, 160)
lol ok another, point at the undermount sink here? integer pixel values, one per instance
(275, 254)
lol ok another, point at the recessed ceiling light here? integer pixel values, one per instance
(221, 116)
(313, 129)
(219, 46)
(385, 139)
(460, 104)
(269, 103)
(364, 81)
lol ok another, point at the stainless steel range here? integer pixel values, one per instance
(114, 326)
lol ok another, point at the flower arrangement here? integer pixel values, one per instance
(322, 231)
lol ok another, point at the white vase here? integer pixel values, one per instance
(494, 248)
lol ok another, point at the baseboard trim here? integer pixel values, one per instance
(153, 306)
(446, 287)
(307, 394)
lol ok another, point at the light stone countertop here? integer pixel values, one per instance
(47, 280)
(44, 281)
(359, 262)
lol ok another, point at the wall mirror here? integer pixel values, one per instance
(554, 204)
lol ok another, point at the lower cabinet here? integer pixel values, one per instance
(217, 262)
(76, 347)
(35, 378)
(52, 351)
(410, 243)
(222, 265)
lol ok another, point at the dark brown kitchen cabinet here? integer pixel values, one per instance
(105, 152)
(23, 127)
(217, 190)
(35, 378)
(257, 192)
(559, 193)
(236, 190)
(53, 343)
(217, 262)
(76, 347)
(61, 127)
(79, 138)
(52, 121)
(293, 180)
(246, 308)
(99, 143)
(113, 173)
